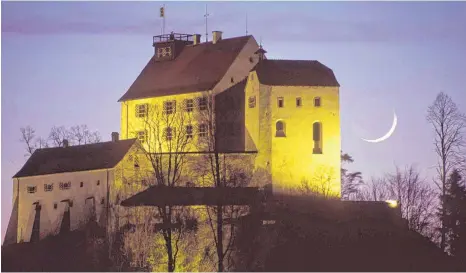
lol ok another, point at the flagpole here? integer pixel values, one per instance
(163, 32)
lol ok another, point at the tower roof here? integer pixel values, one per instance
(295, 73)
(197, 68)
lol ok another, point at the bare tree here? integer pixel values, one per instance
(58, 134)
(321, 183)
(80, 134)
(416, 197)
(449, 127)
(28, 134)
(166, 141)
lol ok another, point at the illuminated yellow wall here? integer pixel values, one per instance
(290, 160)
(131, 124)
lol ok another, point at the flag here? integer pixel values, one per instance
(162, 12)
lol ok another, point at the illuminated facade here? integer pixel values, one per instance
(282, 113)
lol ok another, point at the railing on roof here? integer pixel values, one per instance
(172, 37)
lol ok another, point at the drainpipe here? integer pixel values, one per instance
(108, 216)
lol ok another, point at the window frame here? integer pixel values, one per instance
(168, 133)
(282, 132)
(48, 187)
(252, 101)
(189, 105)
(31, 189)
(204, 132)
(172, 109)
(142, 133)
(189, 131)
(141, 110)
(202, 106)
(65, 185)
(317, 138)
(299, 102)
(319, 100)
(282, 100)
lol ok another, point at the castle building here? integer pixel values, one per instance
(280, 118)
(60, 189)
(283, 113)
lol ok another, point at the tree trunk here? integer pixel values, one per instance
(220, 237)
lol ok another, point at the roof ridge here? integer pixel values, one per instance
(87, 144)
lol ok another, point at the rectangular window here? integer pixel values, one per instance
(189, 105)
(32, 189)
(299, 102)
(252, 101)
(65, 185)
(141, 110)
(202, 130)
(317, 102)
(280, 102)
(168, 133)
(48, 187)
(142, 136)
(169, 107)
(202, 103)
(189, 131)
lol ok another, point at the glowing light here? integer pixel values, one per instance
(387, 135)
(392, 203)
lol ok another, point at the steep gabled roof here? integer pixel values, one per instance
(295, 73)
(196, 68)
(87, 157)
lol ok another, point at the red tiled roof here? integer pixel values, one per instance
(196, 68)
(295, 73)
(75, 158)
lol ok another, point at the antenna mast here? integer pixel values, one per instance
(246, 24)
(206, 32)
(162, 15)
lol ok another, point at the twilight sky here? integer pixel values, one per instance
(67, 63)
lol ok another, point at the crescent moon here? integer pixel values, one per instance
(387, 135)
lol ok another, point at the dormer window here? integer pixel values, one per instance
(164, 52)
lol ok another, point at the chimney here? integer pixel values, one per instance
(196, 39)
(65, 143)
(115, 136)
(216, 36)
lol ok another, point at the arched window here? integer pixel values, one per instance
(280, 129)
(317, 137)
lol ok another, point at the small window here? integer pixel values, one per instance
(168, 133)
(189, 131)
(317, 137)
(32, 189)
(81, 184)
(141, 110)
(317, 102)
(102, 201)
(189, 105)
(98, 182)
(299, 102)
(202, 130)
(164, 52)
(232, 80)
(48, 187)
(202, 103)
(252, 101)
(169, 107)
(136, 162)
(142, 136)
(65, 185)
(280, 129)
(280, 102)
(251, 60)
(55, 205)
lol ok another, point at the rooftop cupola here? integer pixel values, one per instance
(168, 46)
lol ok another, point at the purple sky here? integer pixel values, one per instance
(67, 63)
